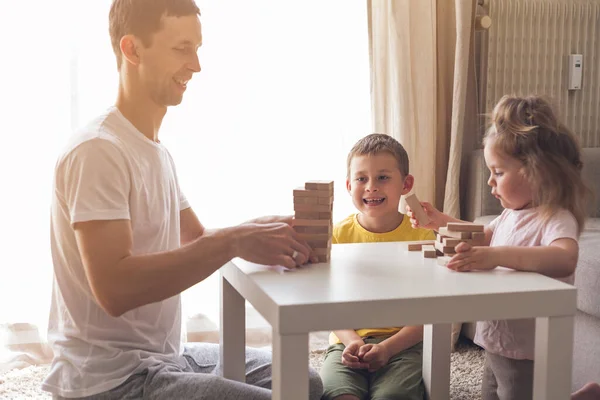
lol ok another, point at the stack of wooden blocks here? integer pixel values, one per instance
(448, 238)
(313, 219)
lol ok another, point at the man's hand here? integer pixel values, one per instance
(286, 219)
(275, 243)
(375, 356)
(470, 258)
(350, 356)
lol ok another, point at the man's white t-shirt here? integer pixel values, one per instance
(110, 171)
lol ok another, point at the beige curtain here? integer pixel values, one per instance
(423, 88)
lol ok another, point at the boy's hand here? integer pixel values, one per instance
(470, 258)
(436, 217)
(350, 356)
(375, 355)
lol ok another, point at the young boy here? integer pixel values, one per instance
(379, 363)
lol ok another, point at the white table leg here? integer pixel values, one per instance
(553, 358)
(290, 367)
(437, 342)
(233, 333)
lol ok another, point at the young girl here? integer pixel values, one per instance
(535, 165)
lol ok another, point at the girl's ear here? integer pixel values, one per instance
(409, 182)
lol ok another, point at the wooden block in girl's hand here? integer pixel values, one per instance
(429, 251)
(458, 235)
(464, 227)
(312, 208)
(417, 209)
(319, 185)
(307, 215)
(314, 229)
(306, 200)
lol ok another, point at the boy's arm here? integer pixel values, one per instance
(347, 336)
(407, 337)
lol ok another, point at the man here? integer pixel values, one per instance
(126, 243)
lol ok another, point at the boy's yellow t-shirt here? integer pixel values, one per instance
(350, 231)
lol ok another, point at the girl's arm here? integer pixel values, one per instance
(556, 260)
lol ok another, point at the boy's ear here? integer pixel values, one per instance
(348, 186)
(409, 182)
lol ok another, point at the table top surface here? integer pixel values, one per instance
(383, 271)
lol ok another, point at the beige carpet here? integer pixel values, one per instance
(465, 378)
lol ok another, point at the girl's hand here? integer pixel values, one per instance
(350, 356)
(436, 217)
(470, 258)
(375, 355)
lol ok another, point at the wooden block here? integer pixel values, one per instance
(417, 209)
(325, 200)
(306, 200)
(314, 236)
(444, 249)
(443, 260)
(319, 244)
(325, 215)
(324, 259)
(478, 238)
(428, 251)
(319, 185)
(314, 229)
(464, 227)
(322, 251)
(417, 246)
(310, 222)
(312, 208)
(458, 235)
(448, 241)
(307, 215)
(302, 192)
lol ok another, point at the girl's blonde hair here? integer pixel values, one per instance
(528, 129)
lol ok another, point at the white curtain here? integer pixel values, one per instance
(282, 96)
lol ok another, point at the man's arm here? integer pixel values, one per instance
(121, 281)
(191, 228)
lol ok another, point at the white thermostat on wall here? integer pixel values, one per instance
(575, 71)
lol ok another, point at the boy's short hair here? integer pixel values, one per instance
(141, 18)
(377, 143)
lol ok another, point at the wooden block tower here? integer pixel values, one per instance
(313, 219)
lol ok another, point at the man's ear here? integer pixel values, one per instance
(409, 182)
(130, 49)
(348, 186)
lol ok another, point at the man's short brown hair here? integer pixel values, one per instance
(377, 143)
(141, 18)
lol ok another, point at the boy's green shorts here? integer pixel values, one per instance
(401, 378)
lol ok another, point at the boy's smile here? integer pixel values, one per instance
(376, 184)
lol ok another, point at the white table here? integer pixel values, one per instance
(383, 284)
